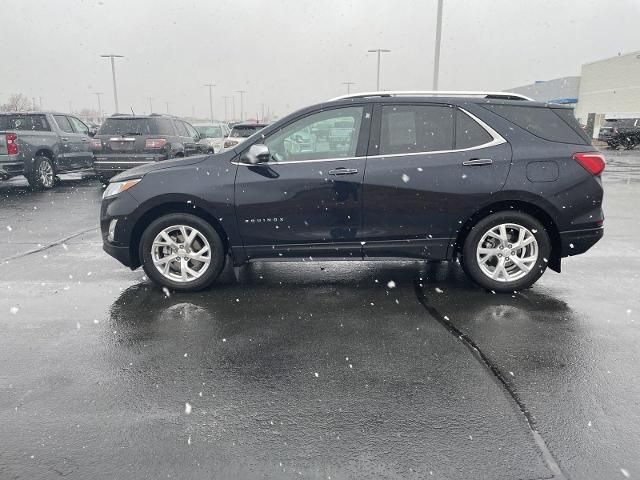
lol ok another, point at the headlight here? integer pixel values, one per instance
(119, 187)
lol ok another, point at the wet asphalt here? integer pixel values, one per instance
(313, 370)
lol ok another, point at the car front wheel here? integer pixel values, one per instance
(182, 252)
(506, 251)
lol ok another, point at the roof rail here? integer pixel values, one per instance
(437, 93)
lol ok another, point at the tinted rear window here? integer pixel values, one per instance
(245, 131)
(24, 122)
(540, 121)
(416, 128)
(469, 133)
(136, 126)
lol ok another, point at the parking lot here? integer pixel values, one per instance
(312, 370)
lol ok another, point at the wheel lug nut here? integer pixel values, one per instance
(507, 259)
(499, 254)
(513, 253)
(509, 246)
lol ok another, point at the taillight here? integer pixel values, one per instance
(155, 143)
(96, 144)
(593, 162)
(230, 143)
(12, 146)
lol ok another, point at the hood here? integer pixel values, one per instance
(142, 170)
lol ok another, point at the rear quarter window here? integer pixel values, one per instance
(36, 123)
(542, 122)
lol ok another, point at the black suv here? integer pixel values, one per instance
(620, 132)
(506, 185)
(127, 141)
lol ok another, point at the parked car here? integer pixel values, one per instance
(620, 132)
(212, 135)
(240, 132)
(127, 141)
(506, 185)
(40, 145)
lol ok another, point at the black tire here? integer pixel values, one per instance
(43, 174)
(217, 256)
(470, 261)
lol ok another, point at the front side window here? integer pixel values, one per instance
(190, 130)
(78, 126)
(209, 131)
(63, 123)
(328, 134)
(416, 128)
(182, 130)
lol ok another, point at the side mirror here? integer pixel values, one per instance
(92, 131)
(257, 153)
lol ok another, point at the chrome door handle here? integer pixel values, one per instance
(477, 161)
(343, 171)
(64, 139)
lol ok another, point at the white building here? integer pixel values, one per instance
(610, 88)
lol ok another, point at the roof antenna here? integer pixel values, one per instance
(132, 112)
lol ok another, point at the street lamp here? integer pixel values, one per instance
(436, 57)
(210, 85)
(150, 104)
(113, 74)
(241, 92)
(97, 94)
(379, 51)
(348, 84)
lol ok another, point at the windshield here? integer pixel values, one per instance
(136, 126)
(207, 131)
(244, 131)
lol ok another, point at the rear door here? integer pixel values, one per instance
(306, 202)
(192, 146)
(429, 167)
(185, 140)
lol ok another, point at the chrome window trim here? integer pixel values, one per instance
(497, 140)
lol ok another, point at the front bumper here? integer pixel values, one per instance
(576, 242)
(124, 161)
(120, 207)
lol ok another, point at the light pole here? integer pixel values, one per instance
(348, 84)
(167, 107)
(150, 104)
(379, 51)
(241, 92)
(112, 56)
(97, 94)
(226, 117)
(210, 85)
(436, 57)
(233, 107)
(69, 106)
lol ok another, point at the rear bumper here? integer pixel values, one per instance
(576, 242)
(10, 167)
(122, 162)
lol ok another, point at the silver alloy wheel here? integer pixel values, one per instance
(45, 173)
(507, 252)
(181, 253)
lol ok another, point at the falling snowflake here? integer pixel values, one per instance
(14, 310)
(189, 440)
(166, 292)
(439, 290)
(187, 408)
(625, 473)
(391, 284)
(316, 374)
(405, 178)
(9, 227)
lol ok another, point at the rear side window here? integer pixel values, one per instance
(24, 122)
(136, 126)
(416, 128)
(63, 123)
(540, 121)
(469, 133)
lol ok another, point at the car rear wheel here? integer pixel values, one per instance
(43, 175)
(182, 252)
(506, 251)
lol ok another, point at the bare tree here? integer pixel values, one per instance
(17, 102)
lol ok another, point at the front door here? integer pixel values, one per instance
(83, 141)
(307, 200)
(431, 168)
(69, 147)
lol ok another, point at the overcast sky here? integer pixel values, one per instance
(289, 53)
